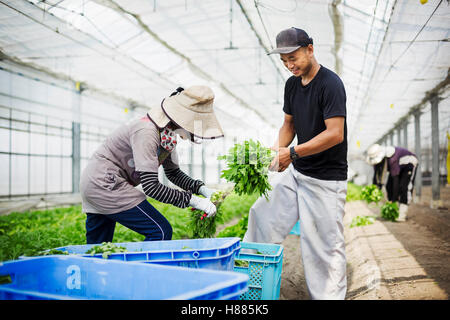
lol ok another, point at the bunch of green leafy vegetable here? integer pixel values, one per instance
(247, 167)
(359, 221)
(241, 263)
(371, 193)
(203, 227)
(52, 252)
(389, 211)
(106, 249)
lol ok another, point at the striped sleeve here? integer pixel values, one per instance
(156, 190)
(179, 178)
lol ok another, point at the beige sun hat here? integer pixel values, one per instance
(376, 153)
(190, 109)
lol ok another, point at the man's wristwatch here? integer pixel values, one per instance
(293, 155)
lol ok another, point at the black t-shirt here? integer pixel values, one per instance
(323, 98)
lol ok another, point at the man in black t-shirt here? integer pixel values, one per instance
(316, 109)
(313, 188)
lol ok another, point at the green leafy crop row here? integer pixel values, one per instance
(371, 194)
(30, 233)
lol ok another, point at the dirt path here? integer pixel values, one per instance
(385, 260)
(293, 285)
(230, 223)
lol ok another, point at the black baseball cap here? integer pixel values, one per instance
(291, 39)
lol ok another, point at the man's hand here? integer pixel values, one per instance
(274, 164)
(281, 160)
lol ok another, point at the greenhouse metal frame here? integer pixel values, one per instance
(84, 67)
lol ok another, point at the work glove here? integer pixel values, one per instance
(203, 204)
(206, 192)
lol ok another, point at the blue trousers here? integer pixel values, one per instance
(143, 218)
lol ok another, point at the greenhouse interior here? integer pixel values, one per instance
(74, 73)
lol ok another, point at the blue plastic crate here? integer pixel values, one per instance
(263, 264)
(209, 253)
(74, 277)
(296, 229)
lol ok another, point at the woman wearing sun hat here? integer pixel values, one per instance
(132, 154)
(376, 156)
(401, 165)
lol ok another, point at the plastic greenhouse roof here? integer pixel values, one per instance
(389, 53)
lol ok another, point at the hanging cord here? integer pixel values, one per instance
(415, 37)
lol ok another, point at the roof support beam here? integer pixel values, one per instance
(418, 152)
(336, 18)
(435, 187)
(436, 91)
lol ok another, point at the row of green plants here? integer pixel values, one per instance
(373, 196)
(29, 233)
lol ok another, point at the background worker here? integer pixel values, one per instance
(401, 165)
(132, 154)
(377, 156)
(312, 184)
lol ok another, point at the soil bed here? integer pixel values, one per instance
(386, 260)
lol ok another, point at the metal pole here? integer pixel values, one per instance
(29, 155)
(405, 134)
(191, 160)
(10, 153)
(399, 136)
(418, 151)
(76, 156)
(435, 187)
(391, 137)
(219, 163)
(203, 164)
(76, 138)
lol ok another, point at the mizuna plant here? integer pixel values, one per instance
(371, 194)
(106, 249)
(202, 226)
(389, 211)
(359, 221)
(248, 165)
